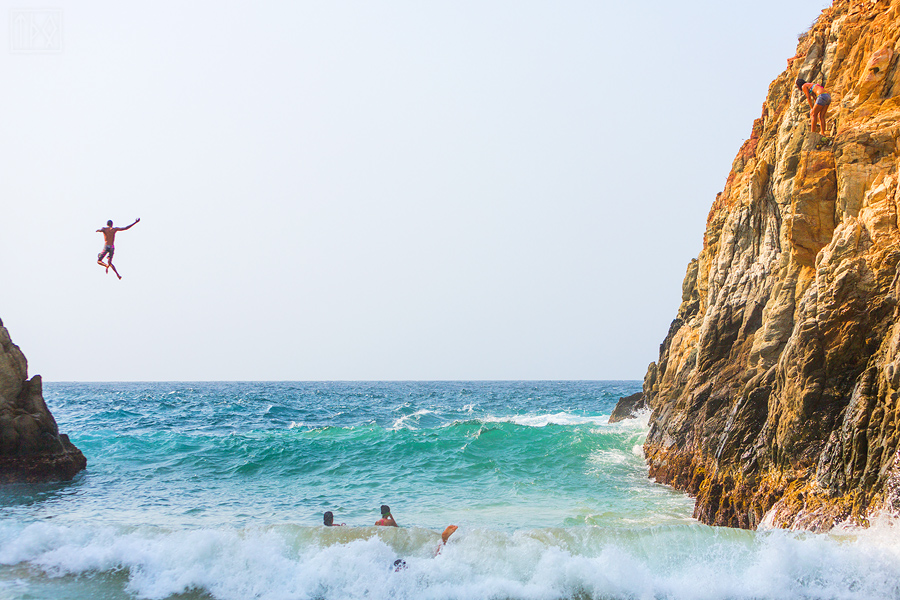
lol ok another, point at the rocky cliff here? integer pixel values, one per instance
(31, 447)
(775, 396)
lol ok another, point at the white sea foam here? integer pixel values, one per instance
(410, 421)
(281, 562)
(639, 425)
(609, 457)
(543, 420)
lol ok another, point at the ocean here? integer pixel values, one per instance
(217, 491)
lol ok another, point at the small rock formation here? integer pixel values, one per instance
(628, 407)
(775, 396)
(31, 447)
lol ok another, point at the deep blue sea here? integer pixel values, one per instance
(217, 490)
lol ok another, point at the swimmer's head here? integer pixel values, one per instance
(329, 518)
(799, 83)
(385, 510)
(109, 223)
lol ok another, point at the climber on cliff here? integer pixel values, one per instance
(109, 248)
(819, 106)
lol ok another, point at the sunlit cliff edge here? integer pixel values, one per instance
(775, 396)
(31, 447)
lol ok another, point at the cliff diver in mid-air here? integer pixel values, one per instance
(819, 102)
(109, 247)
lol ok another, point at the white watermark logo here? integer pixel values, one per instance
(35, 30)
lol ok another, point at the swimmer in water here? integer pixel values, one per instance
(445, 537)
(328, 518)
(386, 519)
(400, 564)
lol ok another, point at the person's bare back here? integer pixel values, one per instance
(109, 248)
(109, 235)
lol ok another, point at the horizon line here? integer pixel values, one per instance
(345, 381)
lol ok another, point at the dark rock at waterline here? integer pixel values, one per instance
(628, 407)
(31, 447)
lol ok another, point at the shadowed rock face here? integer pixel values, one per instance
(628, 407)
(775, 395)
(31, 447)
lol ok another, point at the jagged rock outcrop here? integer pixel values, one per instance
(628, 407)
(31, 447)
(775, 396)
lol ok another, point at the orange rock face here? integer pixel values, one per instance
(811, 220)
(775, 396)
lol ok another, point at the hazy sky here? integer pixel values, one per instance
(371, 189)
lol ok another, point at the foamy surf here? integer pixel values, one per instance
(690, 562)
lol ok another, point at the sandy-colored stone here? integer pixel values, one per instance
(775, 396)
(811, 221)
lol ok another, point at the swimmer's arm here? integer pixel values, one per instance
(136, 221)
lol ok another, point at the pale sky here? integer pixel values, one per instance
(372, 190)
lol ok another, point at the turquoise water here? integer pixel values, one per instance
(216, 490)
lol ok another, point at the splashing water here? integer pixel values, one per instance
(216, 490)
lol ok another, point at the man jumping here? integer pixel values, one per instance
(109, 237)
